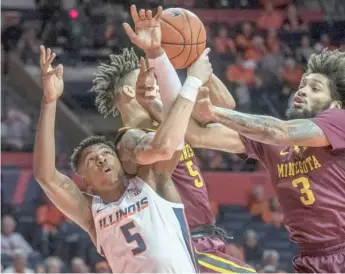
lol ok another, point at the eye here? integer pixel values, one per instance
(91, 159)
(314, 89)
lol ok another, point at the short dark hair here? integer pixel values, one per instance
(87, 142)
(332, 65)
(108, 77)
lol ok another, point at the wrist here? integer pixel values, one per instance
(48, 101)
(190, 88)
(154, 53)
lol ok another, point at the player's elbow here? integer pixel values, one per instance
(42, 175)
(165, 150)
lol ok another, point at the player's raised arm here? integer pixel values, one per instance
(147, 36)
(63, 192)
(265, 129)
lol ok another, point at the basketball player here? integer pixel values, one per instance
(305, 157)
(137, 223)
(119, 86)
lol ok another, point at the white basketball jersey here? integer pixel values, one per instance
(142, 232)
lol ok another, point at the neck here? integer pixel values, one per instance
(133, 115)
(109, 196)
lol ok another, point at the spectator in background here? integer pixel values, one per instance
(304, 51)
(40, 268)
(252, 250)
(291, 73)
(244, 38)
(271, 261)
(15, 130)
(19, 263)
(53, 265)
(293, 22)
(258, 204)
(28, 45)
(223, 43)
(274, 60)
(12, 241)
(270, 18)
(241, 72)
(102, 267)
(49, 217)
(71, 241)
(257, 50)
(325, 41)
(277, 216)
(78, 266)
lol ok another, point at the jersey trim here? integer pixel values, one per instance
(180, 216)
(221, 265)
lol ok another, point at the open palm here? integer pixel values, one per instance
(52, 79)
(147, 34)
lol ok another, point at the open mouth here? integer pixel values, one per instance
(107, 170)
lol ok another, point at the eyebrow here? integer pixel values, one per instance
(317, 81)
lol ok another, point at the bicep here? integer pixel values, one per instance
(137, 146)
(66, 195)
(214, 136)
(304, 132)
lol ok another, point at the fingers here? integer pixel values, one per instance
(48, 54)
(130, 32)
(59, 71)
(150, 80)
(159, 13)
(142, 65)
(134, 14)
(204, 91)
(42, 55)
(142, 15)
(205, 52)
(149, 14)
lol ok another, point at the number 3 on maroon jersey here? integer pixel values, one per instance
(141, 246)
(303, 184)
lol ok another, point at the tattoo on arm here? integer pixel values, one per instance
(73, 190)
(268, 129)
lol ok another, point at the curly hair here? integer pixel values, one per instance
(87, 142)
(108, 77)
(332, 65)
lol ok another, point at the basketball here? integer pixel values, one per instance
(183, 36)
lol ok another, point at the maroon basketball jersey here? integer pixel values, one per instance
(192, 188)
(309, 181)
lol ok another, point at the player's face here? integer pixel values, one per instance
(312, 97)
(100, 167)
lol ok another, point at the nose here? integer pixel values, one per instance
(301, 92)
(101, 160)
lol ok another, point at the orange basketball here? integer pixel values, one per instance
(183, 36)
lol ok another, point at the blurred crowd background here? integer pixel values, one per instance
(259, 50)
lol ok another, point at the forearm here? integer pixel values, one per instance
(167, 79)
(44, 150)
(171, 132)
(219, 94)
(270, 130)
(259, 128)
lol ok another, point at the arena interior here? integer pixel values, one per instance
(259, 50)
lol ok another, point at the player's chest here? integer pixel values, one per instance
(294, 161)
(133, 206)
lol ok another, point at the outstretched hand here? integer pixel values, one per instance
(147, 34)
(203, 108)
(52, 79)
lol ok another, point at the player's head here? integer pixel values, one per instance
(322, 86)
(115, 83)
(95, 160)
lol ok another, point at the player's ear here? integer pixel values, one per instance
(128, 91)
(336, 104)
